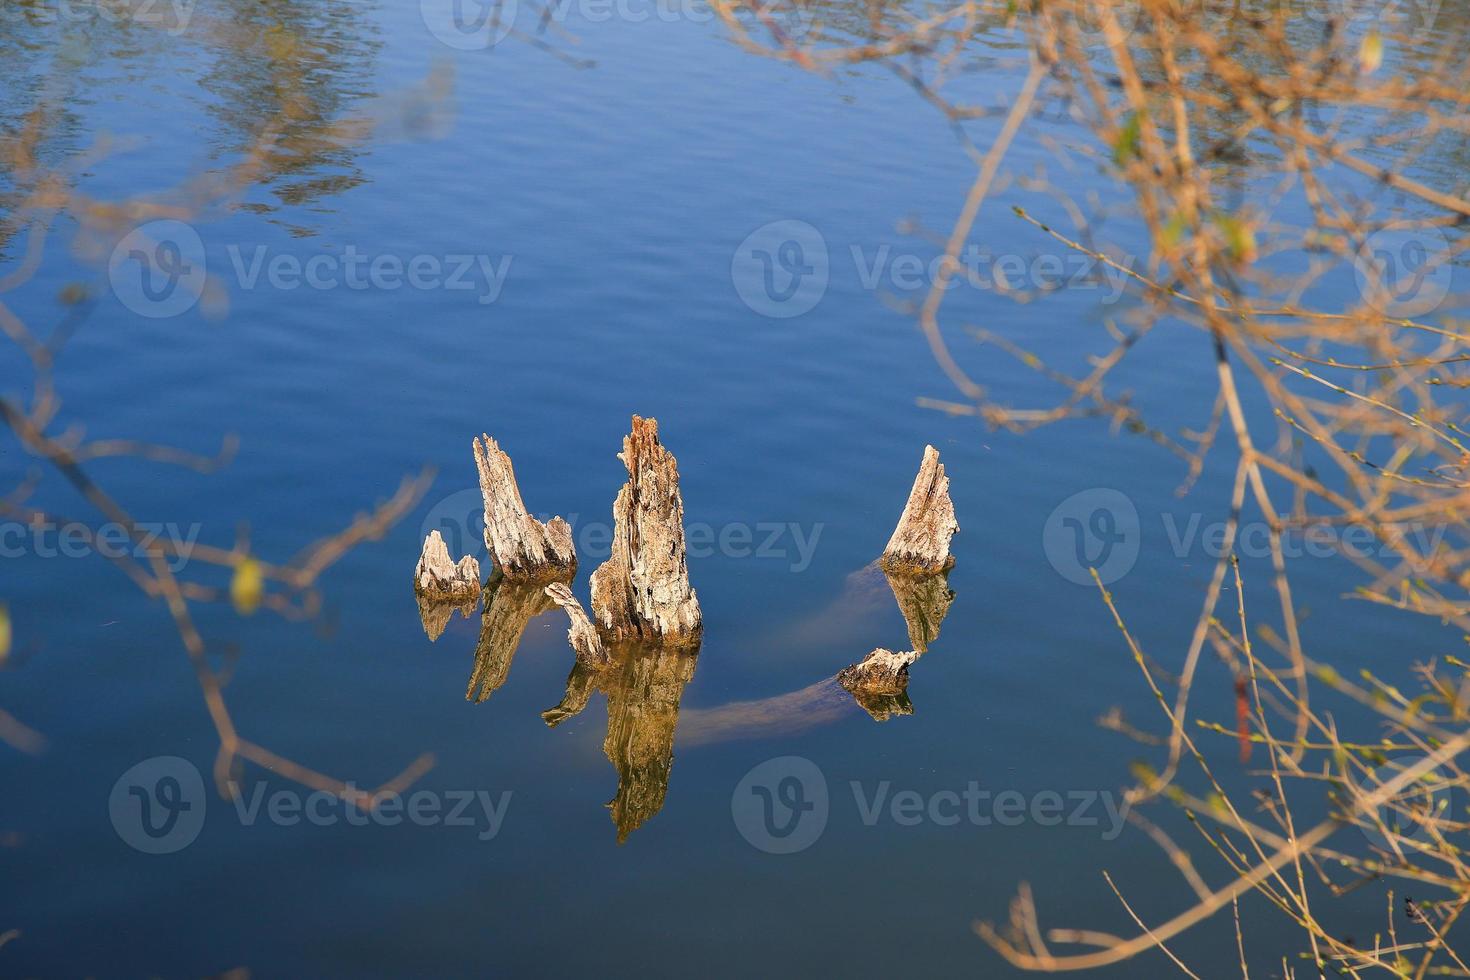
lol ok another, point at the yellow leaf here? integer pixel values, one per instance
(247, 586)
(4, 632)
(1370, 53)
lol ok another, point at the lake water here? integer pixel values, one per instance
(595, 194)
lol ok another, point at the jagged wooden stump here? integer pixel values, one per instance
(582, 634)
(523, 547)
(642, 591)
(880, 683)
(920, 543)
(440, 579)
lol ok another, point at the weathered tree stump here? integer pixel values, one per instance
(920, 543)
(582, 634)
(440, 579)
(523, 547)
(880, 683)
(642, 591)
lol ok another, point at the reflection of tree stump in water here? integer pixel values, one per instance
(509, 608)
(644, 685)
(882, 706)
(924, 601)
(880, 683)
(435, 614)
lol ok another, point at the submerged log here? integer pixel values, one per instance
(523, 547)
(880, 683)
(642, 591)
(440, 579)
(582, 634)
(920, 543)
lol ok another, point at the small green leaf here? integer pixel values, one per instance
(1125, 146)
(1174, 231)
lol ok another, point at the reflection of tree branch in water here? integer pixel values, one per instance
(296, 128)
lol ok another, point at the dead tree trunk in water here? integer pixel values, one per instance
(522, 546)
(582, 634)
(643, 591)
(439, 578)
(880, 683)
(442, 585)
(920, 543)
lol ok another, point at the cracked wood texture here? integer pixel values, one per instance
(880, 683)
(582, 634)
(920, 543)
(522, 546)
(643, 591)
(440, 578)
